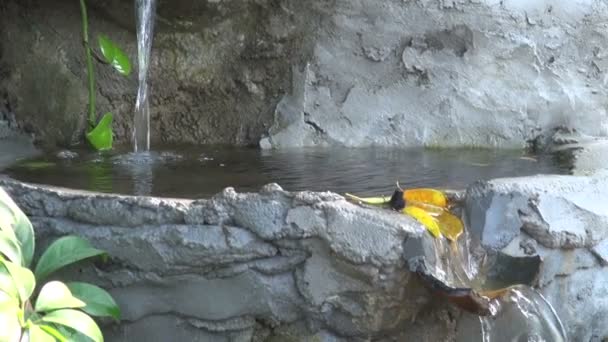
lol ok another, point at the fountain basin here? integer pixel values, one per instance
(311, 266)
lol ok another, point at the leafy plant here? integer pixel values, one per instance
(100, 135)
(56, 311)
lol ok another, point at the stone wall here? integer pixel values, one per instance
(564, 220)
(273, 266)
(339, 72)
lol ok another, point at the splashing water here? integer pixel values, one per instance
(145, 29)
(520, 316)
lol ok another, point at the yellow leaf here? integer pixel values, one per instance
(424, 218)
(369, 200)
(450, 225)
(428, 196)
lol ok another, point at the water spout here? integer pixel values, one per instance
(145, 10)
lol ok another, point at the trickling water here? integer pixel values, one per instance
(522, 315)
(145, 10)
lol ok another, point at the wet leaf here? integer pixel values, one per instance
(102, 136)
(450, 226)
(425, 219)
(427, 196)
(114, 55)
(369, 200)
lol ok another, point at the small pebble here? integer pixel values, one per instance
(67, 154)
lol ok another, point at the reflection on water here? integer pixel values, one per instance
(187, 171)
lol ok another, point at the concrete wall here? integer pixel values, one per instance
(341, 72)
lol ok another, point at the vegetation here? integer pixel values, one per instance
(55, 311)
(99, 134)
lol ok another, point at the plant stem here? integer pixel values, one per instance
(91, 76)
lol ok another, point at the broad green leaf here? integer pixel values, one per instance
(22, 278)
(98, 302)
(7, 218)
(64, 251)
(10, 247)
(22, 228)
(71, 335)
(36, 334)
(101, 137)
(76, 320)
(10, 329)
(54, 332)
(56, 295)
(7, 301)
(114, 55)
(7, 285)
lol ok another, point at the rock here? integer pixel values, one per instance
(287, 73)
(67, 154)
(243, 265)
(557, 211)
(465, 73)
(562, 219)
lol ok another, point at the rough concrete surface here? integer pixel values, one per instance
(268, 266)
(339, 72)
(563, 219)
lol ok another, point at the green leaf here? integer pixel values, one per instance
(10, 329)
(22, 228)
(71, 335)
(10, 247)
(114, 55)
(23, 279)
(101, 137)
(56, 295)
(8, 302)
(64, 251)
(98, 301)
(36, 334)
(76, 320)
(54, 332)
(7, 285)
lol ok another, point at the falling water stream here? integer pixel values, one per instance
(521, 314)
(145, 11)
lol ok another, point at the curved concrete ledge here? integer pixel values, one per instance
(239, 267)
(304, 266)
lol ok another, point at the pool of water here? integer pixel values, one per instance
(195, 172)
